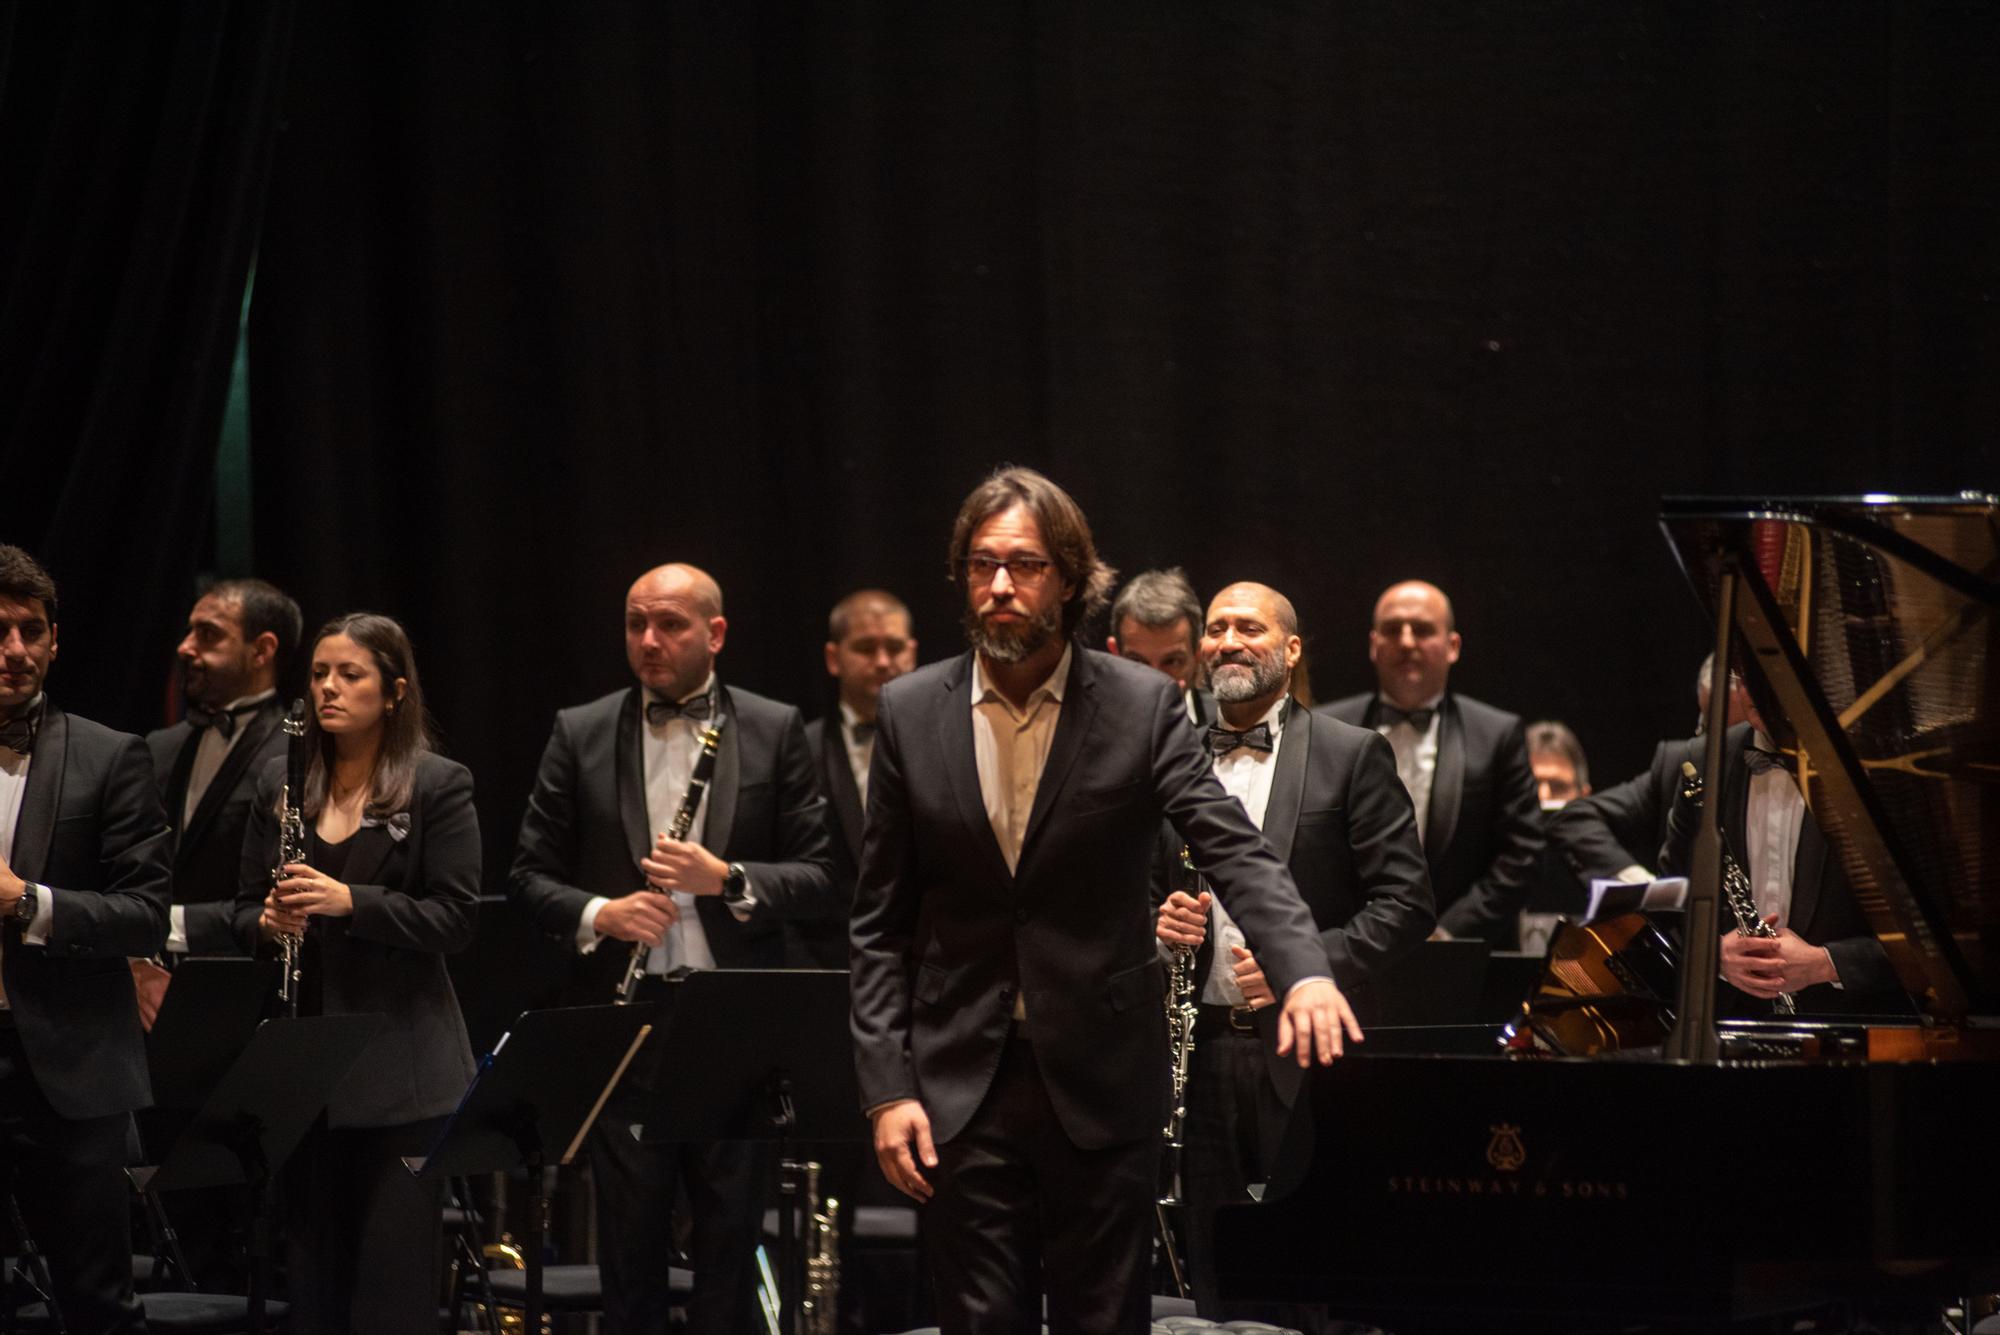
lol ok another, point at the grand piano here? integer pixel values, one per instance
(1738, 1169)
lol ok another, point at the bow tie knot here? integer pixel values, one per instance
(222, 720)
(1760, 761)
(861, 730)
(1221, 740)
(1420, 719)
(659, 712)
(18, 734)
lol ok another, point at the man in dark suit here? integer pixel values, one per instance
(597, 872)
(1465, 764)
(240, 635)
(1327, 798)
(1156, 620)
(1824, 956)
(1007, 996)
(83, 886)
(868, 645)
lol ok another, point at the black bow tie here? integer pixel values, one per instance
(658, 712)
(1420, 719)
(861, 730)
(1221, 740)
(222, 720)
(1761, 761)
(18, 734)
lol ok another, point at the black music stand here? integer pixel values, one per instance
(532, 1101)
(213, 1006)
(776, 1063)
(258, 1113)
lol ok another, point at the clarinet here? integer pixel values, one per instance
(1736, 889)
(291, 846)
(1181, 1014)
(704, 768)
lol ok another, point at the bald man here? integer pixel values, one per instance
(1326, 796)
(1464, 763)
(597, 872)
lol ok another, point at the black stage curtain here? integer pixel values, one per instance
(1321, 294)
(135, 145)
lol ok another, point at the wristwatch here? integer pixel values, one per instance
(736, 886)
(30, 900)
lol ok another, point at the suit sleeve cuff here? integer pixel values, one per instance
(586, 925)
(744, 904)
(177, 936)
(1315, 978)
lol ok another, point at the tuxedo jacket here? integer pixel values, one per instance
(1483, 833)
(821, 942)
(943, 934)
(208, 849)
(1343, 822)
(92, 830)
(416, 899)
(586, 829)
(1823, 909)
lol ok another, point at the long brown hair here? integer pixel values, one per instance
(1063, 527)
(406, 726)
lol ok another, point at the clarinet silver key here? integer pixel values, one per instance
(1736, 889)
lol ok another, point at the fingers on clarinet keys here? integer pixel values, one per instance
(643, 915)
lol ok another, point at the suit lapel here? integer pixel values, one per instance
(961, 762)
(1447, 783)
(40, 804)
(630, 760)
(240, 755)
(840, 783)
(366, 866)
(1079, 707)
(177, 783)
(1735, 813)
(728, 777)
(1288, 781)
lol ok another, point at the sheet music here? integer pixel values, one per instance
(1611, 898)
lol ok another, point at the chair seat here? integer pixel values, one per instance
(570, 1288)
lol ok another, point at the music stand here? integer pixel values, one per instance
(776, 1063)
(213, 1006)
(532, 1101)
(258, 1113)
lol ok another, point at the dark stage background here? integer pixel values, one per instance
(1320, 294)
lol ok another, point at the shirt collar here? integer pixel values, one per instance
(848, 717)
(1274, 719)
(1430, 704)
(1053, 687)
(245, 701)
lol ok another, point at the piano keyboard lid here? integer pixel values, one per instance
(1869, 624)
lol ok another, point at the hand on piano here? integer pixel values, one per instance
(1313, 1020)
(1183, 920)
(1764, 966)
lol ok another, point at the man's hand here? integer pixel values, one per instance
(1440, 934)
(689, 867)
(1315, 1014)
(899, 1127)
(12, 888)
(150, 981)
(1764, 966)
(643, 915)
(313, 894)
(1250, 980)
(1183, 920)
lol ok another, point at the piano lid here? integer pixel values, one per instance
(1874, 621)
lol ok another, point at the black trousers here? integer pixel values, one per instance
(1019, 1210)
(362, 1235)
(728, 1184)
(1226, 1086)
(69, 1177)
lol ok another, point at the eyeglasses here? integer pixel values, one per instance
(1023, 570)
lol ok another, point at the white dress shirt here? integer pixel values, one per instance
(1777, 813)
(13, 789)
(1416, 758)
(209, 753)
(669, 750)
(1245, 775)
(1011, 747)
(860, 751)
